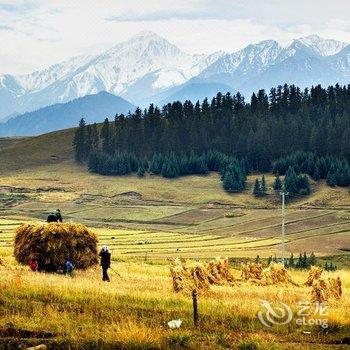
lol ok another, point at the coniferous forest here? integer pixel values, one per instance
(299, 134)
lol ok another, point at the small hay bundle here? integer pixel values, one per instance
(314, 275)
(51, 245)
(219, 271)
(251, 271)
(335, 287)
(323, 290)
(178, 275)
(188, 276)
(196, 275)
(274, 274)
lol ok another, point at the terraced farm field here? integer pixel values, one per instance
(132, 216)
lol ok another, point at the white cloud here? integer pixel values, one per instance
(34, 34)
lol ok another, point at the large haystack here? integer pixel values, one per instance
(52, 244)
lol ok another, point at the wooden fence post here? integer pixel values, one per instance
(195, 308)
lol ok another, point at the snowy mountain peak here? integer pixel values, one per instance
(324, 47)
(148, 66)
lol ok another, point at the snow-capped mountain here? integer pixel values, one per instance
(304, 62)
(136, 69)
(324, 47)
(148, 68)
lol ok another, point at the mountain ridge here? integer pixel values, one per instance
(148, 65)
(93, 108)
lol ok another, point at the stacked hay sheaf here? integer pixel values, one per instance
(323, 289)
(251, 271)
(314, 275)
(275, 273)
(51, 245)
(191, 275)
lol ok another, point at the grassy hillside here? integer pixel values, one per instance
(30, 152)
(190, 216)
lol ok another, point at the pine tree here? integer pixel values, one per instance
(291, 262)
(233, 179)
(257, 188)
(312, 259)
(141, 171)
(79, 142)
(95, 138)
(331, 179)
(299, 263)
(106, 137)
(263, 186)
(277, 184)
(290, 181)
(305, 262)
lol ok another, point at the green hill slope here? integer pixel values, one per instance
(29, 152)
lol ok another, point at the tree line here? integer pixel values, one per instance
(288, 125)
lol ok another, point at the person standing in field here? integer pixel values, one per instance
(55, 216)
(69, 268)
(105, 257)
(33, 264)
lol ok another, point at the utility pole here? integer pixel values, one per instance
(283, 194)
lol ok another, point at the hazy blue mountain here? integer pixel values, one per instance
(93, 108)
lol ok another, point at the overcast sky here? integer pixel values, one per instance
(38, 33)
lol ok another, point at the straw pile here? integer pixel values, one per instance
(191, 275)
(251, 271)
(274, 274)
(314, 275)
(52, 244)
(220, 272)
(323, 290)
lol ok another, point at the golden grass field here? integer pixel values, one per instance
(132, 311)
(145, 221)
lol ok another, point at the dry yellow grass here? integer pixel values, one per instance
(132, 311)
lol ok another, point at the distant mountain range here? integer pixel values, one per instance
(93, 108)
(148, 68)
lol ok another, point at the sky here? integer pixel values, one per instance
(36, 34)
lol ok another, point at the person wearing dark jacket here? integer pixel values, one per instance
(58, 215)
(55, 217)
(105, 257)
